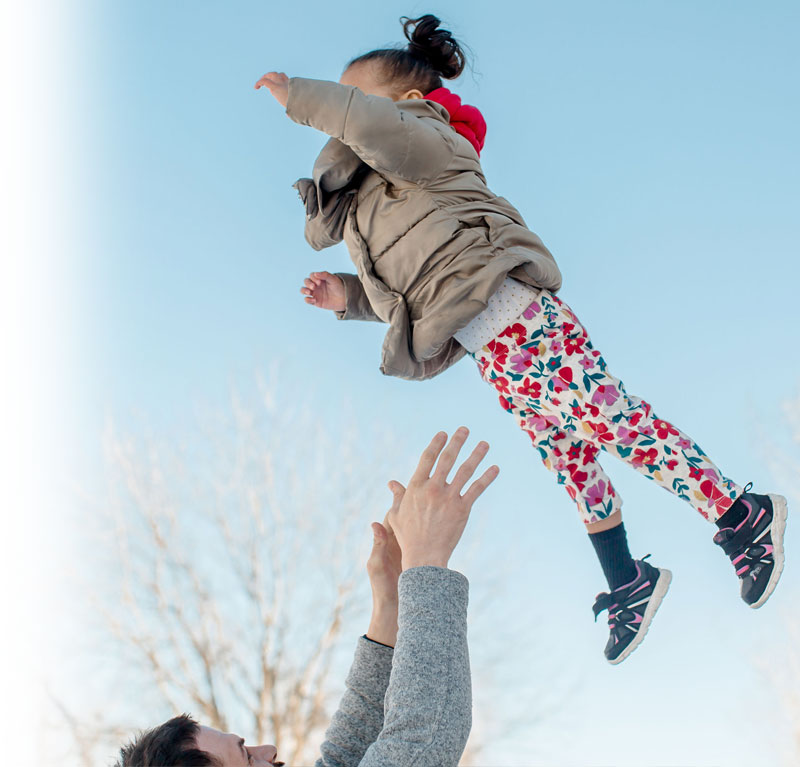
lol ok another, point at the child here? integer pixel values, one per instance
(453, 270)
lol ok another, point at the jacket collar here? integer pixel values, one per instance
(465, 119)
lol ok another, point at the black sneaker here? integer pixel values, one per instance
(755, 545)
(631, 608)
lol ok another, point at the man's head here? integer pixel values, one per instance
(182, 742)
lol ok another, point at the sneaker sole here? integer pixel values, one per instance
(660, 589)
(780, 511)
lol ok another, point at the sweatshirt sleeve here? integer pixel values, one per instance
(357, 305)
(382, 135)
(428, 708)
(359, 719)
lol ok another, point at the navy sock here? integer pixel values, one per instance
(611, 547)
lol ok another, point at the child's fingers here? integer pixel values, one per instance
(448, 457)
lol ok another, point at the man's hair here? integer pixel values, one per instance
(172, 744)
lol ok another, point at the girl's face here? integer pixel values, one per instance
(362, 76)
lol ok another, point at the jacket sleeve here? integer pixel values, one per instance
(428, 707)
(383, 136)
(357, 305)
(359, 719)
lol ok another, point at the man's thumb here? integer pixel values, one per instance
(378, 532)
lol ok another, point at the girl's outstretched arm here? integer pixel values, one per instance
(382, 135)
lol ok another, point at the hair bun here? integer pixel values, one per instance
(438, 46)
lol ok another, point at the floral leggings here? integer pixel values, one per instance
(556, 384)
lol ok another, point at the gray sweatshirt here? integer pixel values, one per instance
(411, 705)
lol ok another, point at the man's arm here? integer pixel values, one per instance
(429, 701)
(359, 718)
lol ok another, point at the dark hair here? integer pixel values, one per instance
(172, 744)
(431, 54)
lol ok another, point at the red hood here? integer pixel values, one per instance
(467, 120)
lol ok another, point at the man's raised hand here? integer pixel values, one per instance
(432, 513)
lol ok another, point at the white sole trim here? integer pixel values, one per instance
(780, 512)
(659, 590)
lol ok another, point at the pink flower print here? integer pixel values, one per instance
(586, 363)
(556, 347)
(506, 404)
(578, 477)
(540, 422)
(712, 474)
(647, 431)
(559, 385)
(626, 436)
(521, 361)
(642, 456)
(560, 465)
(589, 453)
(532, 310)
(529, 388)
(602, 433)
(516, 331)
(596, 493)
(710, 491)
(683, 443)
(573, 345)
(501, 384)
(664, 429)
(499, 354)
(605, 395)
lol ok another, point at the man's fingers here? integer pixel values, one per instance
(448, 457)
(428, 458)
(467, 469)
(398, 491)
(378, 533)
(480, 484)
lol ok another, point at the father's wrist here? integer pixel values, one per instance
(424, 561)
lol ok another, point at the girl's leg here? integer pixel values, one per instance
(637, 588)
(549, 351)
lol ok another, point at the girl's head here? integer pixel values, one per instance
(410, 72)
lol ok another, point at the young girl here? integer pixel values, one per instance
(453, 270)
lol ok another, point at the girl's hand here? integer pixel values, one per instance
(278, 84)
(324, 290)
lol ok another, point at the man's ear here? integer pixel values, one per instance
(412, 94)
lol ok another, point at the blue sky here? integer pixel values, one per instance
(652, 147)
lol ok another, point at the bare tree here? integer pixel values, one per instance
(220, 572)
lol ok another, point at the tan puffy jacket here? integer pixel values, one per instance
(431, 243)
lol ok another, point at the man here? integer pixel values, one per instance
(408, 698)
